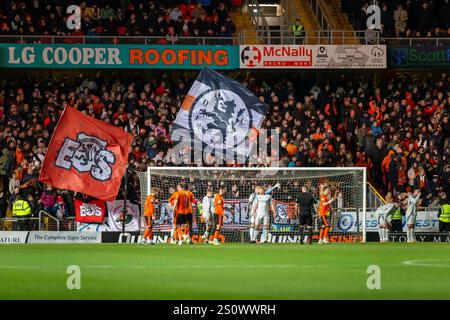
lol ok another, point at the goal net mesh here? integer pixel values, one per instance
(346, 219)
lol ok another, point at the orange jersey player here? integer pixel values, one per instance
(179, 202)
(150, 206)
(324, 213)
(219, 210)
(189, 215)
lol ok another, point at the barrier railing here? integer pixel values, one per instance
(319, 12)
(416, 42)
(288, 14)
(263, 35)
(21, 223)
(119, 40)
(258, 18)
(311, 37)
(48, 222)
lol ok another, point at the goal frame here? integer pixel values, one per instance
(343, 169)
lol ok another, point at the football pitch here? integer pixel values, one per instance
(230, 271)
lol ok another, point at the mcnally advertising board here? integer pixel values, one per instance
(312, 57)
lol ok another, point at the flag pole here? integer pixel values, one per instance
(125, 195)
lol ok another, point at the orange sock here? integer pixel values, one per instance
(180, 234)
(150, 234)
(322, 231)
(146, 232)
(186, 229)
(325, 233)
(175, 234)
(216, 234)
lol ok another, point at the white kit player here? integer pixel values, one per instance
(251, 202)
(208, 213)
(411, 214)
(384, 213)
(260, 211)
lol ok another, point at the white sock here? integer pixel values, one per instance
(264, 235)
(386, 235)
(171, 233)
(381, 233)
(206, 234)
(252, 234)
(412, 235)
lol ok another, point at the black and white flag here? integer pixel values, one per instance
(221, 115)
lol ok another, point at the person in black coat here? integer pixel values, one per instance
(393, 173)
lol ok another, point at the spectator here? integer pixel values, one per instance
(400, 18)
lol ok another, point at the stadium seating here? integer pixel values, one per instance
(95, 21)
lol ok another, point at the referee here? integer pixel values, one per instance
(303, 207)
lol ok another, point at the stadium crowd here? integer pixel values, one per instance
(117, 18)
(399, 129)
(403, 18)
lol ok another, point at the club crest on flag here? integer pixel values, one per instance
(87, 154)
(220, 118)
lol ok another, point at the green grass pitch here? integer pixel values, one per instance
(230, 271)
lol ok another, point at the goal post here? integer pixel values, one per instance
(348, 218)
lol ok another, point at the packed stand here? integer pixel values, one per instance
(399, 130)
(403, 19)
(167, 20)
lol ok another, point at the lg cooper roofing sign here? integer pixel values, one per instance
(312, 57)
(117, 56)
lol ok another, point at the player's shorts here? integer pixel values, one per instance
(149, 221)
(262, 219)
(323, 221)
(411, 218)
(218, 219)
(208, 218)
(189, 217)
(180, 218)
(382, 220)
(305, 220)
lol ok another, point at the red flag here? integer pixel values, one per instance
(86, 155)
(92, 211)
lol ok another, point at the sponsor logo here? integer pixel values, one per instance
(419, 56)
(179, 57)
(322, 52)
(332, 238)
(86, 154)
(281, 228)
(13, 237)
(90, 210)
(346, 222)
(64, 237)
(251, 56)
(311, 56)
(377, 52)
(287, 56)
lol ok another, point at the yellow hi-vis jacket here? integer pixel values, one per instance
(21, 208)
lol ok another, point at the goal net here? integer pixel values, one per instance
(347, 215)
